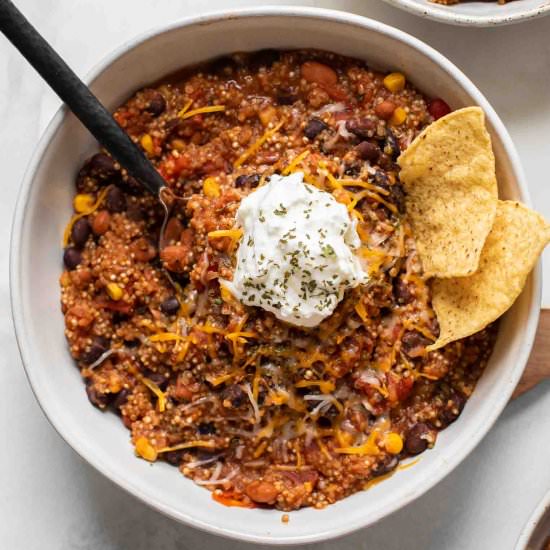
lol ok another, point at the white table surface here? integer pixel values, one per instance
(51, 500)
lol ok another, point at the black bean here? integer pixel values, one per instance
(263, 58)
(452, 409)
(99, 346)
(170, 306)
(173, 457)
(413, 340)
(130, 185)
(120, 399)
(233, 396)
(381, 180)
(134, 211)
(368, 151)
(116, 201)
(364, 127)
(72, 257)
(286, 96)
(403, 292)
(102, 166)
(416, 440)
(157, 104)
(387, 464)
(314, 127)
(352, 169)
(80, 232)
(391, 145)
(206, 428)
(96, 398)
(157, 377)
(251, 180)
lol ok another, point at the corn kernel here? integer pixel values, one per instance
(399, 116)
(145, 450)
(394, 82)
(393, 443)
(147, 143)
(83, 202)
(226, 294)
(211, 188)
(114, 291)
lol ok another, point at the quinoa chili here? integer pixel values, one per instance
(260, 412)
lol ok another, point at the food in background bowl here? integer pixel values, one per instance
(275, 339)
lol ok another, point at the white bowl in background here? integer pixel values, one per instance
(44, 206)
(476, 13)
(537, 529)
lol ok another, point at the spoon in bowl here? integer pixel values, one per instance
(78, 97)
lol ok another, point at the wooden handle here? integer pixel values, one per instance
(538, 367)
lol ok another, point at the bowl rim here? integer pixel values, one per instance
(16, 285)
(445, 14)
(528, 530)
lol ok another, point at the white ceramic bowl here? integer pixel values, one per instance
(537, 530)
(44, 207)
(477, 13)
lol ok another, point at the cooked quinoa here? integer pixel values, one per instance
(260, 412)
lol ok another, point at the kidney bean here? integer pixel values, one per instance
(313, 71)
(143, 250)
(364, 127)
(101, 222)
(72, 257)
(176, 257)
(262, 491)
(170, 306)
(116, 201)
(438, 108)
(157, 104)
(385, 109)
(368, 151)
(80, 232)
(173, 230)
(314, 127)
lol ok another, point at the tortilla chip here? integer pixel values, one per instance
(465, 305)
(448, 173)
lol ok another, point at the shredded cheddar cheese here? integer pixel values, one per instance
(257, 144)
(202, 110)
(295, 162)
(185, 108)
(161, 396)
(326, 386)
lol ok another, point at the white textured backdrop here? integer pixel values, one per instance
(51, 500)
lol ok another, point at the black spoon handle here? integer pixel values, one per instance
(77, 96)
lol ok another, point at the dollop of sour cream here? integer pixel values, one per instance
(296, 257)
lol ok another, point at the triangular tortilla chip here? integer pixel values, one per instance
(465, 305)
(448, 173)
